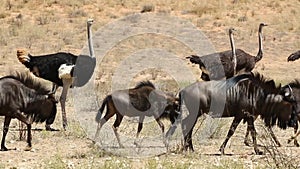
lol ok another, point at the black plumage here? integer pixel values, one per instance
(48, 66)
(294, 56)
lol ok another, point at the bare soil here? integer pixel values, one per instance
(51, 26)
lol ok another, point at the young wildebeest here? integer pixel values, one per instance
(143, 100)
(243, 97)
(22, 97)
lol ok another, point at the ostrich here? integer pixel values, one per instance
(294, 56)
(52, 68)
(245, 62)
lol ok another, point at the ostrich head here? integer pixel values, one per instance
(90, 21)
(22, 55)
(231, 30)
(261, 25)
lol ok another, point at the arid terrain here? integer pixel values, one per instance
(50, 26)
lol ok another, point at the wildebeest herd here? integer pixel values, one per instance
(228, 89)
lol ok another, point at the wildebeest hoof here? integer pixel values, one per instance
(27, 148)
(247, 143)
(3, 149)
(222, 151)
(297, 144)
(48, 128)
(65, 125)
(258, 152)
(94, 142)
(289, 140)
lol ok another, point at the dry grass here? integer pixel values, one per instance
(52, 25)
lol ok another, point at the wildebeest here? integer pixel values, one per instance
(24, 98)
(243, 97)
(293, 86)
(140, 101)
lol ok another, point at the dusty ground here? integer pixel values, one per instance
(52, 26)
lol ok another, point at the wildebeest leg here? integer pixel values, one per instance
(116, 126)
(23, 119)
(246, 140)
(250, 122)
(187, 131)
(295, 136)
(109, 113)
(5, 130)
(162, 127)
(140, 127)
(66, 85)
(51, 119)
(29, 138)
(234, 124)
(273, 136)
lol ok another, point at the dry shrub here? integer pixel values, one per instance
(277, 157)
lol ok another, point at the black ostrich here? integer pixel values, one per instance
(50, 66)
(294, 56)
(211, 69)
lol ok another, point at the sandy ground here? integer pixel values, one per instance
(131, 47)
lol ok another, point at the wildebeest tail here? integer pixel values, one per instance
(100, 111)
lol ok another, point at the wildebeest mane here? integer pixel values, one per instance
(144, 83)
(270, 117)
(265, 83)
(29, 81)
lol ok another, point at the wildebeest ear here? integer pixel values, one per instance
(278, 98)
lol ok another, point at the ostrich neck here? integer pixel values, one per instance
(234, 60)
(260, 45)
(90, 41)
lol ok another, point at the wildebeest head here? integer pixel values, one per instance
(41, 103)
(166, 104)
(285, 108)
(294, 87)
(279, 105)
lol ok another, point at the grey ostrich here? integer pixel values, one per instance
(245, 62)
(53, 67)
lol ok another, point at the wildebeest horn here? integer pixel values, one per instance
(290, 91)
(51, 92)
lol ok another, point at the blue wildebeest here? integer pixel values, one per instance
(243, 97)
(140, 101)
(293, 86)
(24, 98)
